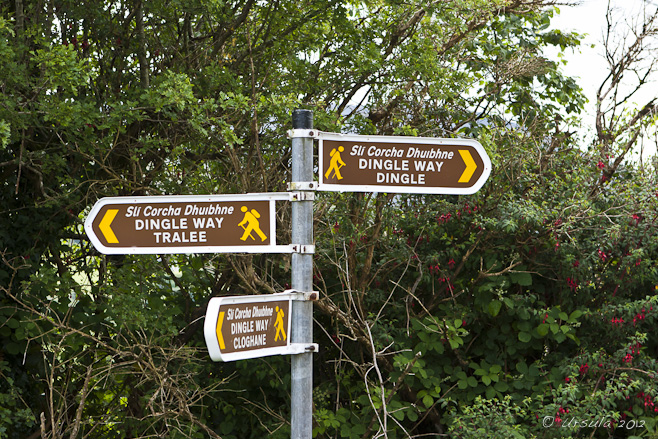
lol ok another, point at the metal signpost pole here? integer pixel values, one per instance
(302, 274)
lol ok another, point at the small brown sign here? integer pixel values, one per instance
(182, 224)
(241, 327)
(401, 164)
(248, 326)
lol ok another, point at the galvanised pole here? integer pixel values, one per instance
(301, 418)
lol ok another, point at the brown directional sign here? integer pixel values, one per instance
(185, 224)
(401, 164)
(241, 327)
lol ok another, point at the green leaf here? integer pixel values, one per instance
(494, 307)
(543, 329)
(455, 342)
(533, 371)
(438, 347)
(574, 316)
(525, 337)
(523, 279)
(13, 348)
(501, 386)
(428, 401)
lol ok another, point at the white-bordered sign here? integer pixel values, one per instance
(242, 327)
(422, 165)
(240, 223)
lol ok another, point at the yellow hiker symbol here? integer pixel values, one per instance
(335, 163)
(252, 224)
(278, 324)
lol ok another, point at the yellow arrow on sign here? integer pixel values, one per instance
(470, 166)
(106, 230)
(220, 338)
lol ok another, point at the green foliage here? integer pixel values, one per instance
(493, 419)
(474, 316)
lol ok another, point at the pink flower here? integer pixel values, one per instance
(573, 283)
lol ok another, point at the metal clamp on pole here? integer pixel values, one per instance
(302, 196)
(303, 348)
(303, 249)
(301, 295)
(302, 133)
(302, 185)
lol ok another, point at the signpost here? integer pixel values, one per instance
(241, 327)
(420, 165)
(186, 224)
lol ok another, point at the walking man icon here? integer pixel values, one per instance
(278, 324)
(252, 224)
(335, 163)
